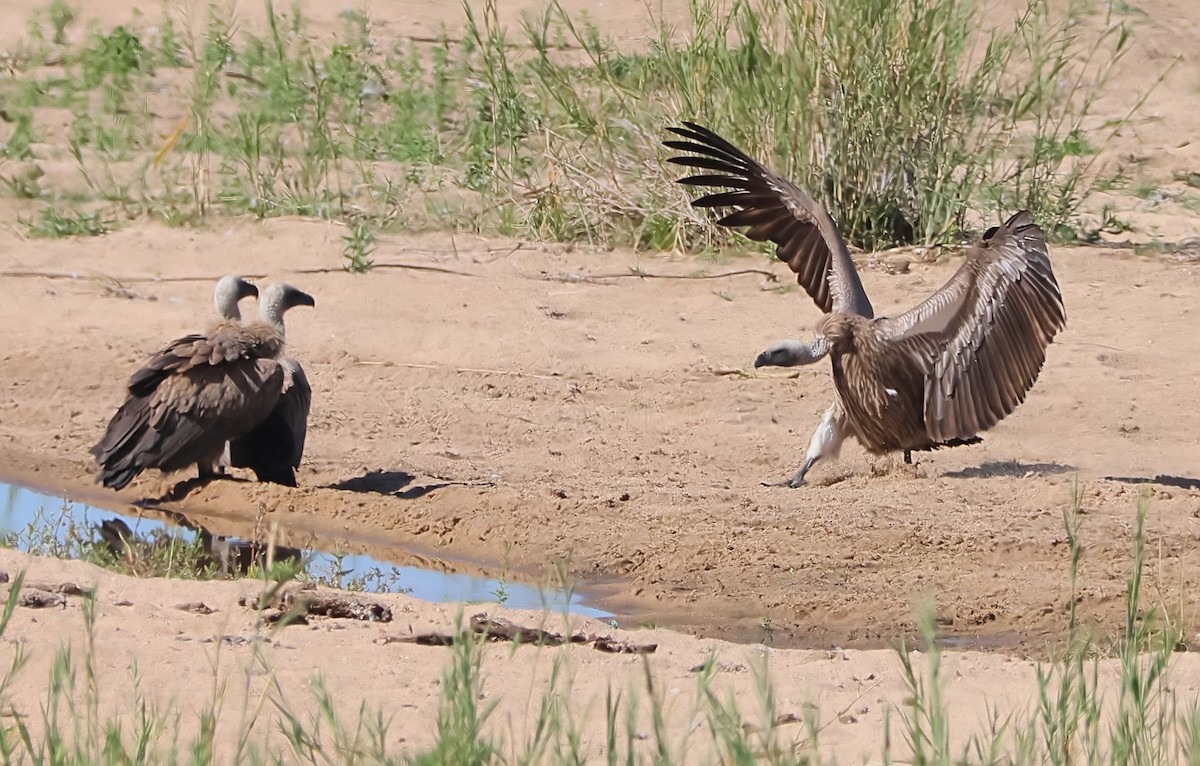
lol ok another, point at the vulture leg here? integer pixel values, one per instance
(826, 442)
(212, 466)
(210, 471)
(908, 457)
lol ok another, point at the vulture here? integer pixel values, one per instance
(935, 376)
(273, 448)
(199, 393)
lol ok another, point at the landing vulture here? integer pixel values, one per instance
(935, 376)
(198, 393)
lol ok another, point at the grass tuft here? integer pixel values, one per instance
(1140, 719)
(902, 116)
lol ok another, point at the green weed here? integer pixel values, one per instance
(18, 146)
(360, 243)
(1146, 720)
(902, 116)
(53, 224)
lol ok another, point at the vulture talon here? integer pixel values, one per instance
(788, 483)
(935, 376)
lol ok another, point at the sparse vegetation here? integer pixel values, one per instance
(902, 114)
(52, 224)
(360, 243)
(1071, 721)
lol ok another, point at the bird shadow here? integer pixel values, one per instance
(379, 481)
(397, 484)
(1181, 482)
(1013, 469)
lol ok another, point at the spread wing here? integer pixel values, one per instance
(982, 337)
(775, 210)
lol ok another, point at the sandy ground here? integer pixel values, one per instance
(611, 440)
(493, 412)
(242, 667)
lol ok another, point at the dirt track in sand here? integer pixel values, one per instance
(500, 413)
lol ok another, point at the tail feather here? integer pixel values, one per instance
(118, 478)
(126, 438)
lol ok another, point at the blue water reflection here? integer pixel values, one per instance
(20, 506)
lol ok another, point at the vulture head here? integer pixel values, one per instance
(790, 353)
(277, 298)
(229, 291)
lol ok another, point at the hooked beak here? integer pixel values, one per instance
(301, 298)
(791, 353)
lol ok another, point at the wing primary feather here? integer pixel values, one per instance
(777, 211)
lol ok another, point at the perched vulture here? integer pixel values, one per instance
(273, 448)
(935, 376)
(199, 393)
(230, 290)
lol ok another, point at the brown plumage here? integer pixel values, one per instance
(273, 448)
(198, 393)
(228, 293)
(937, 375)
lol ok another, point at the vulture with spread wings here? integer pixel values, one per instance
(935, 376)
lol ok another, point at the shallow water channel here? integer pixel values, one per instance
(32, 518)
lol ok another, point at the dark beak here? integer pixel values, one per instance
(301, 298)
(246, 289)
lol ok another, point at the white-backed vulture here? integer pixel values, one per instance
(228, 293)
(938, 374)
(199, 393)
(273, 448)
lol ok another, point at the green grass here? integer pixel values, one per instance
(360, 243)
(53, 223)
(1071, 720)
(904, 116)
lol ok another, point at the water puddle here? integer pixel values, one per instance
(48, 525)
